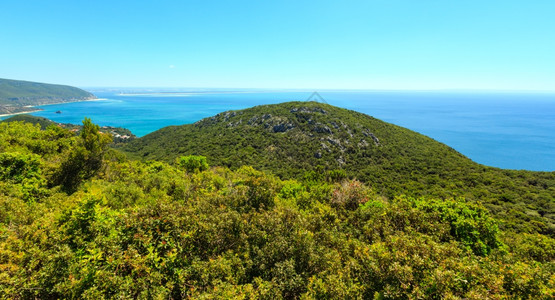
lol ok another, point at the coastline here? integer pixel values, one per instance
(96, 99)
(19, 113)
(35, 110)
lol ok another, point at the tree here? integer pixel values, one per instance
(85, 159)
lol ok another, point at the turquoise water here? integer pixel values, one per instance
(506, 130)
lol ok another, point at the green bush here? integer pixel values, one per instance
(470, 223)
(17, 167)
(192, 163)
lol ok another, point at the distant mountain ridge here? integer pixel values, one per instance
(16, 94)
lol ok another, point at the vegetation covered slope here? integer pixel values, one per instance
(78, 220)
(15, 94)
(42, 121)
(119, 135)
(290, 139)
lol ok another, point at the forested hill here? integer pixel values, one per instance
(292, 138)
(15, 94)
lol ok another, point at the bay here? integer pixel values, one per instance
(513, 130)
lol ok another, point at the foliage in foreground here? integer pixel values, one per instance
(152, 230)
(288, 139)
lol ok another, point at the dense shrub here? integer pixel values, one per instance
(151, 230)
(192, 163)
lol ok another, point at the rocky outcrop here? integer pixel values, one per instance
(367, 133)
(283, 127)
(321, 128)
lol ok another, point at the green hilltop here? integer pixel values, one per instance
(303, 140)
(16, 94)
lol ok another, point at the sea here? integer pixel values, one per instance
(510, 130)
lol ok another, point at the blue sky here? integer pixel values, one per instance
(373, 44)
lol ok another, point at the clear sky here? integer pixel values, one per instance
(372, 44)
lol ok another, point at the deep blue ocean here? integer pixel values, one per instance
(506, 130)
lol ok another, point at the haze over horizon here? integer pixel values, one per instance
(383, 45)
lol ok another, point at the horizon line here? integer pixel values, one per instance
(175, 88)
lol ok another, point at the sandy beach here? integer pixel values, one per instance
(19, 113)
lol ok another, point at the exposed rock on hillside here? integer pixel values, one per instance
(296, 138)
